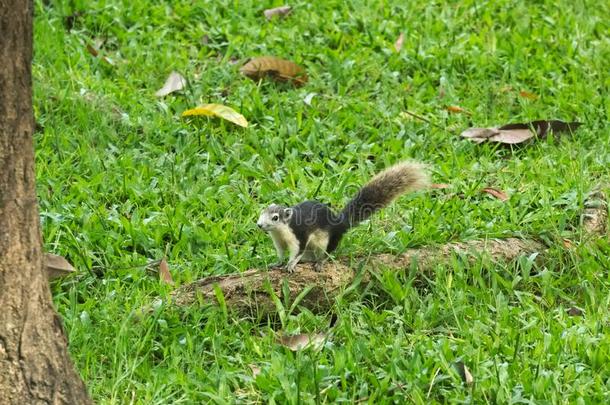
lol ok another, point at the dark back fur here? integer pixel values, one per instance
(310, 216)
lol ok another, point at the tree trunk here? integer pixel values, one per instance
(34, 363)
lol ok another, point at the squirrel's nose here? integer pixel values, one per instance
(259, 225)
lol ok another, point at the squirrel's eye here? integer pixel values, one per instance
(275, 217)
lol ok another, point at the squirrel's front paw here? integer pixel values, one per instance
(318, 266)
(290, 267)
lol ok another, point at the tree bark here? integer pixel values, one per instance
(251, 293)
(34, 363)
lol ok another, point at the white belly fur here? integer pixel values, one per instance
(283, 238)
(316, 246)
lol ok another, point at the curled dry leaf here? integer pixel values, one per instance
(175, 81)
(457, 109)
(96, 54)
(282, 11)
(218, 110)
(303, 341)
(464, 372)
(399, 42)
(519, 132)
(164, 275)
(57, 266)
(278, 69)
(499, 194)
(92, 51)
(528, 95)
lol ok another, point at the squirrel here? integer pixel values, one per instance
(311, 230)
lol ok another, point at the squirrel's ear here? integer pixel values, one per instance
(287, 213)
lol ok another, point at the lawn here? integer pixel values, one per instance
(124, 180)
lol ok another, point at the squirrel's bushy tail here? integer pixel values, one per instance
(382, 189)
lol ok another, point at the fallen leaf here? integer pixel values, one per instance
(256, 370)
(96, 54)
(92, 51)
(464, 373)
(513, 136)
(174, 82)
(282, 11)
(399, 42)
(542, 127)
(439, 186)
(567, 243)
(574, 311)
(303, 341)
(457, 109)
(519, 132)
(480, 133)
(276, 68)
(499, 194)
(218, 110)
(164, 275)
(56, 266)
(528, 95)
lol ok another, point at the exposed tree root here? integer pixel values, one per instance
(251, 292)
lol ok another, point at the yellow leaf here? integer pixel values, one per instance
(218, 110)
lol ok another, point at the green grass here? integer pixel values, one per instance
(123, 180)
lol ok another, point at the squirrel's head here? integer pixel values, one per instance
(273, 217)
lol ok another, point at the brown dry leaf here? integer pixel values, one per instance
(256, 370)
(279, 69)
(303, 341)
(96, 54)
(282, 11)
(513, 136)
(218, 110)
(164, 275)
(528, 95)
(175, 81)
(57, 266)
(519, 132)
(567, 243)
(499, 194)
(457, 109)
(92, 51)
(480, 134)
(399, 42)
(574, 311)
(439, 186)
(464, 373)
